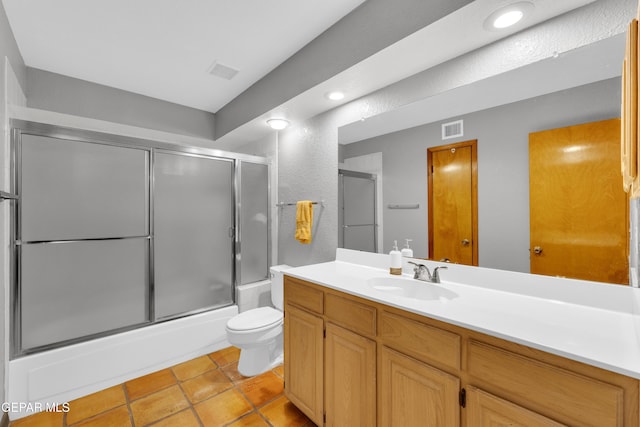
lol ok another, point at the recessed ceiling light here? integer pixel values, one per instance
(335, 95)
(508, 19)
(278, 124)
(508, 16)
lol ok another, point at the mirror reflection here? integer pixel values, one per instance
(500, 114)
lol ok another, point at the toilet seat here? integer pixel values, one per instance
(258, 318)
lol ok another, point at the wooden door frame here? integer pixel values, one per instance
(474, 192)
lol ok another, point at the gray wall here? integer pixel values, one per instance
(503, 168)
(372, 26)
(63, 94)
(8, 49)
(309, 151)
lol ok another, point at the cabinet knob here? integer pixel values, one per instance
(537, 250)
(465, 242)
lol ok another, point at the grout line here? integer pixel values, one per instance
(127, 400)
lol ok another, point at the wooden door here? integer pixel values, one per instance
(486, 410)
(453, 203)
(579, 221)
(303, 361)
(350, 378)
(413, 393)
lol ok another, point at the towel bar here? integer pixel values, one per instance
(281, 204)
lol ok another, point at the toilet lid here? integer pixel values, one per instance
(256, 318)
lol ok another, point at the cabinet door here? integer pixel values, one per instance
(350, 378)
(413, 393)
(303, 361)
(486, 410)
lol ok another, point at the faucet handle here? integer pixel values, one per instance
(436, 274)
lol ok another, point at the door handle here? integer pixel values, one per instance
(537, 250)
(465, 242)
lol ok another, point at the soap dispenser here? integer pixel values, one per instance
(407, 251)
(396, 260)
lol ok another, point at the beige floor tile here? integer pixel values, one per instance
(118, 417)
(252, 420)
(193, 368)
(203, 392)
(281, 413)
(158, 405)
(262, 388)
(225, 356)
(185, 418)
(231, 371)
(151, 383)
(206, 385)
(223, 408)
(96, 403)
(279, 370)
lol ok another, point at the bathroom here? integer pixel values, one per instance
(304, 158)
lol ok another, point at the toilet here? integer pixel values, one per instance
(258, 332)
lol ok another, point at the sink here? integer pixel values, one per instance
(410, 288)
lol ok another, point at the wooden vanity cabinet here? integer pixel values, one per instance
(304, 349)
(330, 356)
(415, 389)
(379, 365)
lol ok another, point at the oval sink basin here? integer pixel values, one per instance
(410, 288)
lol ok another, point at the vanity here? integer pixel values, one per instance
(483, 347)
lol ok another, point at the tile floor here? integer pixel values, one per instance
(206, 391)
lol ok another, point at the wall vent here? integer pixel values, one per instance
(222, 71)
(452, 129)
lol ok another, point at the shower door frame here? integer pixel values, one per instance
(19, 127)
(363, 175)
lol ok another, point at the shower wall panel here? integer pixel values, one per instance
(254, 222)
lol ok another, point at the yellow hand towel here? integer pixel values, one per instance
(304, 221)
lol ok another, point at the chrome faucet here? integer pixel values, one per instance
(421, 272)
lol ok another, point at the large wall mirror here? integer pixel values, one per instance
(500, 112)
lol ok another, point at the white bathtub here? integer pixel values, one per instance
(60, 375)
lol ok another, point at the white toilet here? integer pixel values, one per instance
(258, 332)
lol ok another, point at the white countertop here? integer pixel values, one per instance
(597, 324)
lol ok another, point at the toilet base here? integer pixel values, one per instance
(256, 360)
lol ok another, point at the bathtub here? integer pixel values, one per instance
(57, 376)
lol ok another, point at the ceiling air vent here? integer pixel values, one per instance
(452, 129)
(222, 71)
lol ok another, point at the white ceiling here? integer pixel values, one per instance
(163, 48)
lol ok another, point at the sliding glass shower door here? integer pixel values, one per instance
(112, 233)
(193, 211)
(83, 239)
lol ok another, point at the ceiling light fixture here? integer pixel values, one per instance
(508, 16)
(335, 95)
(278, 124)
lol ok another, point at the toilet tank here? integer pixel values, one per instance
(277, 285)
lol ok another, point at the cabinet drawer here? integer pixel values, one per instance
(297, 293)
(485, 409)
(555, 392)
(423, 342)
(351, 314)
